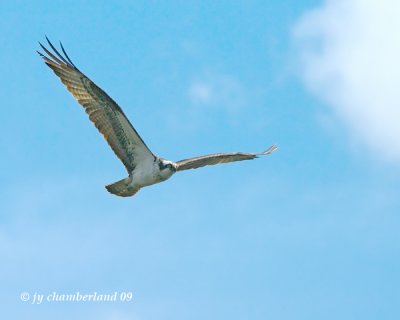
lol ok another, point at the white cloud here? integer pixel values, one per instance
(350, 53)
(224, 96)
(200, 92)
(218, 90)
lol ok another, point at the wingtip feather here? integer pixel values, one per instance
(270, 150)
(66, 55)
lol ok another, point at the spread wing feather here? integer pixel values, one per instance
(217, 158)
(103, 111)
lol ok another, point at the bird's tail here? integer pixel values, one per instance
(122, 188)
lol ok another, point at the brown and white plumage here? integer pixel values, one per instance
(218, 158)
(144, 168)
(103, 111)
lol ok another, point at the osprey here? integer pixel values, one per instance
(144, 167)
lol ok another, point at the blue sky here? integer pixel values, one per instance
(310, 232)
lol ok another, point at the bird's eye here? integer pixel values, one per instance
(164, 165)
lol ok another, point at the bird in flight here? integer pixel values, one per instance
(143, 166)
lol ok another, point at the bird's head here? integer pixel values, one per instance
(167, 166)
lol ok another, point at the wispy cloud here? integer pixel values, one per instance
(200, 92)
(218, 90)
(349, 51)
(226, 97)
(223, 95)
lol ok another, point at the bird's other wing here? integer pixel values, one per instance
(217, 158)
(103, 111)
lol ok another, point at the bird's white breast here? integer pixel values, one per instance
(149, 173)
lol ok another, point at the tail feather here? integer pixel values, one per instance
(122, 188)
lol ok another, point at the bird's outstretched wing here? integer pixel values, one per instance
(217, 158)
(105, 113)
